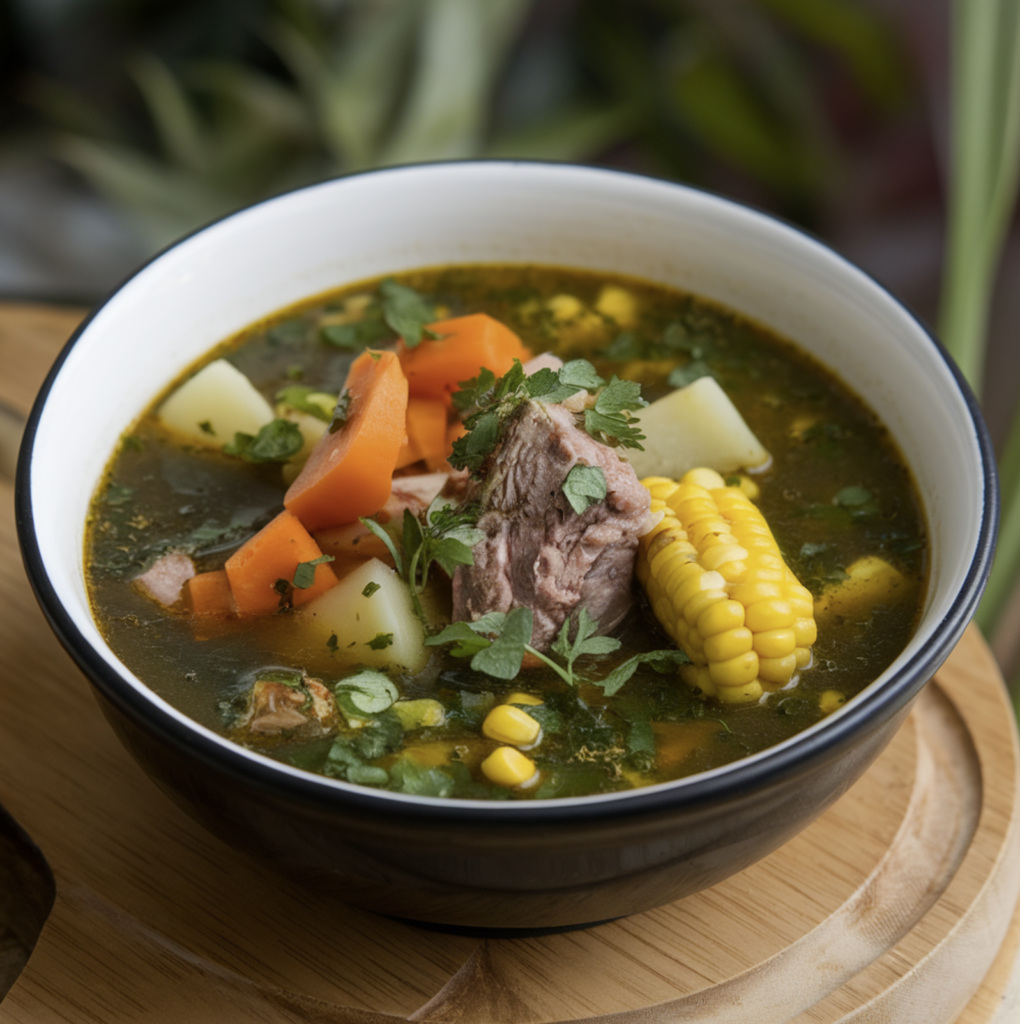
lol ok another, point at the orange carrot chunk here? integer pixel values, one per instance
(274, 554)
(348, 473)
(426, 433)
(435, 369)
(209, 593)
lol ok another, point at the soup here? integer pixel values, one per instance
(392, 650)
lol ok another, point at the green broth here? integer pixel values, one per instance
(836, 490)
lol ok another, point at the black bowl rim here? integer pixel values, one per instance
(766, 768)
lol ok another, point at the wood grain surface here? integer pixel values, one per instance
(897, 905)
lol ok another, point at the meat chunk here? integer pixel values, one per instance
(538, 552)
(275, 708)
(165, 578)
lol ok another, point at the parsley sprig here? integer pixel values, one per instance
(497, 642)
(444, 534)
(488, 403)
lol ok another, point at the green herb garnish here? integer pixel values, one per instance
(278, 441)
(304, 575)
(584, 486)
(407, 312)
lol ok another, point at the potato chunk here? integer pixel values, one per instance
(694, 426)
(214, 405)
(373, 625)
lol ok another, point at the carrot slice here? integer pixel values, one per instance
(426, 433)
(348, 473)
(434, 369)
(274, 554)
(209, 593)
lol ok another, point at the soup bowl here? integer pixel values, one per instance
(513, 864)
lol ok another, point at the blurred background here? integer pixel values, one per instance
(126, 123)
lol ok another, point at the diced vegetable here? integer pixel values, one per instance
(209, 593)
(720, 587)
(509, 724)
(426, 433)
(348, 473)
(262, 572)
(869, 581)
(508, 767)
(214, 405)
(367, 625)
(694, 426)
(419, 714)
(435, 369)
(618, 304)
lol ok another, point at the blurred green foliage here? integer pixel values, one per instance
(222, 110)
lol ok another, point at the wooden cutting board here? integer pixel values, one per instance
(897, 905)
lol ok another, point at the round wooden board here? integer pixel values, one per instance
(896, 905)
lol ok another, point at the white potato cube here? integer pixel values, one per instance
(694, 426)
(214, 405)
(359, 620)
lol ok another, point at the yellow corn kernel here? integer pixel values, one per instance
(766, 615)
(751, 593)
(738, 671)
(776, 672)
(703, 477)
(507, 766)
(697, 605)
(697, 677)
(774, 643)
(507, 724)
(803, 656)
(520, 697)
(717, 555)
(743, 694)
(830, 701)
(806, 632)
(618, 304)
(720, 616)
(564, 307)
(728, 645)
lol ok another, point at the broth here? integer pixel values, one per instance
(835, 492)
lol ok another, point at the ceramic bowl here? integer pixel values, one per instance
(530, 865)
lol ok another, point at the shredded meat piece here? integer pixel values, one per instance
(540, 554)
(275, 708)
(165, 578)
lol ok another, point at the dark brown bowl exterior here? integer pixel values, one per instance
(558, 868)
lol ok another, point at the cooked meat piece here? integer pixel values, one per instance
(165, 578)
(539, 553)
(275, 708)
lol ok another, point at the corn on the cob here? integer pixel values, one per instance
(721, 589)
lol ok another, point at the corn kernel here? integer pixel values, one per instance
(696, 606)
(777, 671)
(804, 657)
(507, 724)
(731, 644)
(713, 557)
(744, 694)
(774, 614)
(751, 593)
(774, 643)
(806, 632)
(508, 767)
(618, 304)
(830, 701)
(564, 307)
(703, 477)
(738, 671)
(720, 616)
(698, 677)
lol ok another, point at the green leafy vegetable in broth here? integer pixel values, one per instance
(523, 617)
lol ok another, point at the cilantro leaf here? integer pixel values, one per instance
(367, 691)
(502, 658)
(353, 337)
(584, 486)
(277, 441)
(380, 641)
(661, 661)
(304, 575)
(407, 312)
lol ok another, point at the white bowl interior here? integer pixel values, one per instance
(252, 264)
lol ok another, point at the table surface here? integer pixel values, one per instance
(897, 904)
